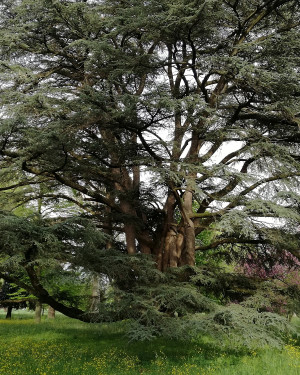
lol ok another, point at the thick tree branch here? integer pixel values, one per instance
(230, 240)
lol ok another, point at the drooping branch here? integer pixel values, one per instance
(42, 294)
(230, 240)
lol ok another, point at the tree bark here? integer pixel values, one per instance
(165, 234)
(188, 256)
(95, 297)
(8, 313)
(51, 312)
(38, 312)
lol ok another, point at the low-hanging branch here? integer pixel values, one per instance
(230, 240)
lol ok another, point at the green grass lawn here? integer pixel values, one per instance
(68, 347)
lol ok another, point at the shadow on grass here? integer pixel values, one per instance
(90, 341)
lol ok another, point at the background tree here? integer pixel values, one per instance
(13, 297)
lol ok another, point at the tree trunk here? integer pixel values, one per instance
(180, 243)
(51, 313)
(129, 229)
(8, 313)
(188, 256)
(95, 298)
(38, 312)
(169, 256)
(125, 185)
(177, 245)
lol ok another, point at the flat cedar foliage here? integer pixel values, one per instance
(147, 143)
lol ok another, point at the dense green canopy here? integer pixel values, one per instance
(172, 125)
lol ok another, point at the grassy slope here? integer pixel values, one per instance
(69, 347)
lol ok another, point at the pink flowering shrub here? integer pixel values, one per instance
(279, 272)
(270, 264)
